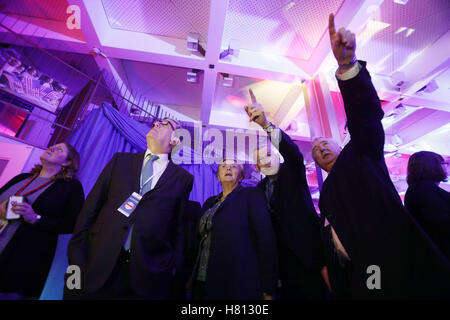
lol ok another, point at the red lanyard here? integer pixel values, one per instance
(35, 189)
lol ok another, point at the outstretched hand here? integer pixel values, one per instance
(343, 43)
(255, 111)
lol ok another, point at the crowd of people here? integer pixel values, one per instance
(137, 236)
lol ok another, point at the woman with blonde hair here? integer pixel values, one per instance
(236, 256)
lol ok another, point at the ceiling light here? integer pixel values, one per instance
(398, 79)
(192, 76)
(409, 32)
(228, 80)
(290, 5)
(193, 43)
(404, 2)
(98, 52)
(389, 147)
(232, 50)
(396, 140)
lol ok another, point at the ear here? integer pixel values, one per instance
(174, 141)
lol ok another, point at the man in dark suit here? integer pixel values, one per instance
(295, 220)
(139, 255)
(379, 250)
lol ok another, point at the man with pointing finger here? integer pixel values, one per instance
(295, 220)
(377, 250)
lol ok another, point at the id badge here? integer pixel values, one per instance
(130, 204)
(10, 215)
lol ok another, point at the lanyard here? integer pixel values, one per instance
(35, 189)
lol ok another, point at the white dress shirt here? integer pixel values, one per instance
(350, 73)
(159, 166)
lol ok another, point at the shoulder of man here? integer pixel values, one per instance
(125, 155)
(254, 192)
(182, 171)
(262, 183)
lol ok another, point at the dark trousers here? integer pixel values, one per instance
(198, 290)
(297, 282)
(339, 273)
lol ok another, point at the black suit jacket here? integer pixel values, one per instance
(26, 260)
(360, 201)
(295, 219)
(430, 206)
(158, 234)
(242, 262)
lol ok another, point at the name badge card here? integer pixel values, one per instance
(10, 215)
(130, 204)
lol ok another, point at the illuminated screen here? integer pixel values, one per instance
(30, 84)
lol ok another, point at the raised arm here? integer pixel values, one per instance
(361, 102)
(288, 149)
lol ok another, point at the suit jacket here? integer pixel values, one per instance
(430, 206)
(192, 216)
(242, 262)
(158, 234)
(26, 260)
(295, 219)
(360, 201)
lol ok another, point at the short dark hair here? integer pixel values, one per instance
(426, 166)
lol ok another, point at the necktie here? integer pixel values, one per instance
(270, 188)
(147, 172)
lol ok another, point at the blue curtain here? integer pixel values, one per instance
(104, 132)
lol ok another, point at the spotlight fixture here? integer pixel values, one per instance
(193, 43)
(228, 80)
(97, 52)
(396, 140)
(232, 50)
(192, 76)
(398, 79)
(390, 148)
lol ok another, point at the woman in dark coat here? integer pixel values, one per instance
(429, 204)
(53, 200)
(236, 259)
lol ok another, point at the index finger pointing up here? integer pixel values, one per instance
(252, 96)
(331, 27)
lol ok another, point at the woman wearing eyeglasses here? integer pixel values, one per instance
(426, 201)
(50, 198)
(236, 256)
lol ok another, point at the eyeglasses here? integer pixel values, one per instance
(165, 123)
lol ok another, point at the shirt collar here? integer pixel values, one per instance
(162, 157)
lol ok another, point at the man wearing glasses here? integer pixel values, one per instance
(128, 240)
